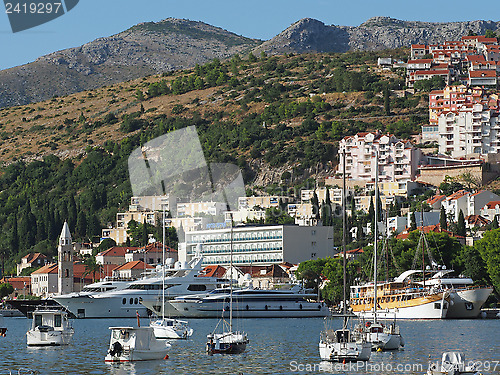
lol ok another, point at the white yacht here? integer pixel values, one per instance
(181, 279)
(49, 327)
(466, 299)
(453, 363)
(251, 303)
(129, 344)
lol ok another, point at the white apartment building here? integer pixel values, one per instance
(259, 245)
(152, 203)
(473, 129)
(193, 209)
(247, 203)
(398, 160)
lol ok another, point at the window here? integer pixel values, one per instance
(197, 288)
(57, 320)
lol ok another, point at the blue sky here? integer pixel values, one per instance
(92, 19)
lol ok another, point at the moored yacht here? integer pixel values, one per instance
(179, 280)
(49, 327)
(466, 299)
(251, 303)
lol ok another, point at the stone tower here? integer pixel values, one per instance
(65, 256)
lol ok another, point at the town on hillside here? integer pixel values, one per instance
(437, 187)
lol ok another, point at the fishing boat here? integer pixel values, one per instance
(129, 344)
(168, 328)
(49, 327)
(453, 363)
(379, 335)
(227, 341)
(343, 345)
(3, 328)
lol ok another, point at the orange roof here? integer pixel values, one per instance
(31, 257)
(157, 247)
(435, 199)
(476, 220)
(482, 73)
(427, 229)
(116, 251)
(17, 282)
(135, 265)
(457, 194)
(48, 268)
(475, 58)
(492, 204)
(420, 61)
(213, 271)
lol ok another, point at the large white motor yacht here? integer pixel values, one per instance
(181, 279)
(252, 303)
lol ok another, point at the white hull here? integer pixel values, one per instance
(430, 310)
(384, 341)
(51, 338)
(95, 307)
(350, 351)
(256, 310)
(467, 303)
(138, 355)
(171, 329)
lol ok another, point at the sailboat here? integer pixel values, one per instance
(167, 328)
(343, 344)
(379, 335)
(227, 341)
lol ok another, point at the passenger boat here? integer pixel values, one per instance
(252, 303)
(49, 327)
(453, 363)
(465, 298)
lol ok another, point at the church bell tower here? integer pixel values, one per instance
(65, 261)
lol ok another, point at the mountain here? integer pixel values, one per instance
(144, 49)
(378, 33)
(173, 44)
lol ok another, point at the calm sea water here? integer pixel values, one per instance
(277, 346)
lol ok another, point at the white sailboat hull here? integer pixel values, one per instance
(384, 341)
(345, 351)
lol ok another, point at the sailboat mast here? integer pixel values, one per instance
(344, 235)
(375, 242)
(423, 245)
(163, 268)
(231, 281)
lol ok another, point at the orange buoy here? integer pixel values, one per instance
(166, 356)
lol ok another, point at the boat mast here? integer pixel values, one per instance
(422, 234)
(163, 268)
(375, 242)
(344, 252)
(231, 281)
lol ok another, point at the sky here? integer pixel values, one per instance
(261, 19)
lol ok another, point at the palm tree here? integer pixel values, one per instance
(91, 267)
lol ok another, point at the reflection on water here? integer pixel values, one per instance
(277, 346)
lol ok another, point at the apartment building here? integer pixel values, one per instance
(398, 160)
(258, 244)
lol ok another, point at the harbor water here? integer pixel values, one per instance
(277, 346)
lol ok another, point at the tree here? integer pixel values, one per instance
(413, 222)
(91, 267)
(315, 206)
(145, 234)
(139, 95)
(5, 290)
(387, 101)
(489, 248)
(494, 223)
(442, 219)
(461, 230)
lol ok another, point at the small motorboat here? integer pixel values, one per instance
(453, 363)
(3, 328)
(171, 329)
(226, 343)
(343, 345)
(49, 327)
(130, 344)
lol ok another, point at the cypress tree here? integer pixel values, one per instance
(494, 224)
(461, 231)
(443, 223)
(413, 222)
(145, 233)
(14, 239)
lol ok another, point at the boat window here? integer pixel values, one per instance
(57, 320)
(38, 320)
(197, 288)
(136, 301)
(131, 301)
(437, 306)
(124, 301)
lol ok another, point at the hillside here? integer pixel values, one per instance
(173, 44)
(144, 49)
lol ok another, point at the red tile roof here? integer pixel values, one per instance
(482, 73)
(476, 220)
(117, 251)
(48, 268)
(213, 271)
(435, 199)
(135, 265)
(492, 204)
